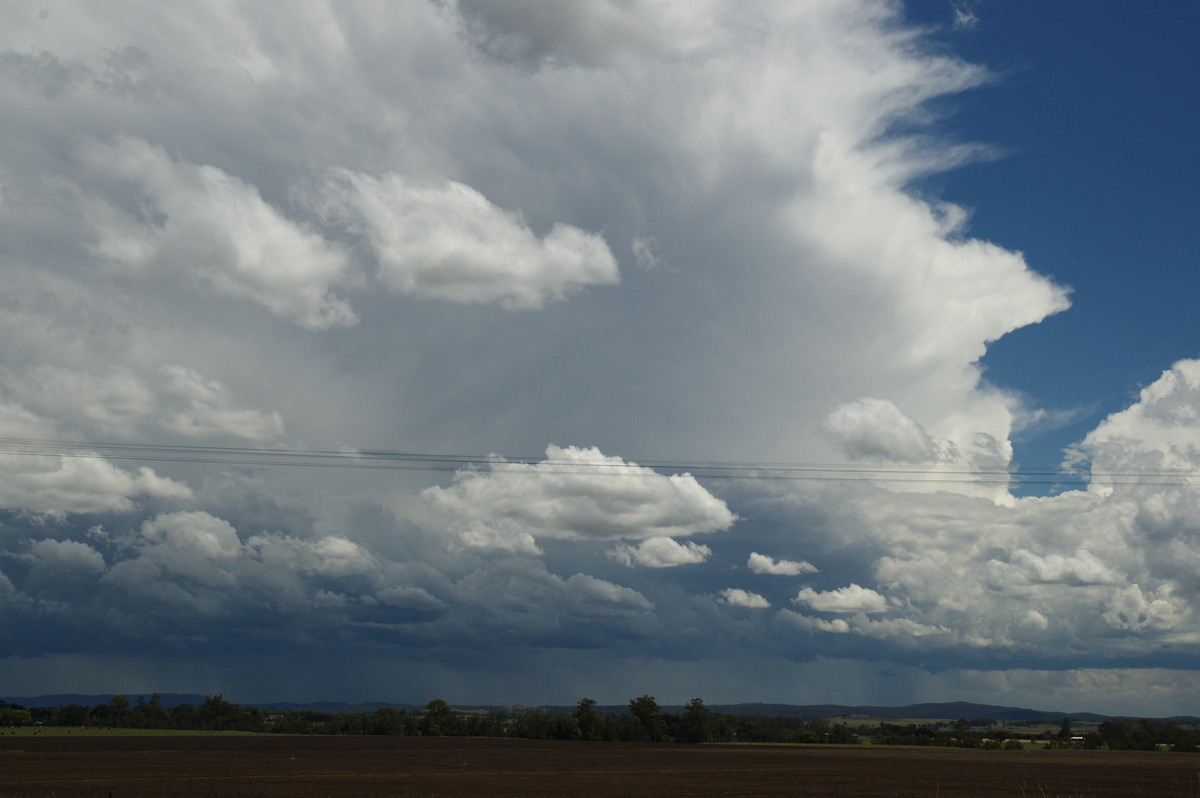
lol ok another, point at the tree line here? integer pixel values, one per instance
(1118, 734)
(643, 721)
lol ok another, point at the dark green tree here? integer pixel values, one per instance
(588, 719)
(120, 709)
(438, 719)
(150, 714)
(696, 723)
(386, 721)
(15, 715)
(70, 715)
(645, 710)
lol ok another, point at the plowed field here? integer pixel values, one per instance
(247, 767)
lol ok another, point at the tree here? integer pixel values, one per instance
(15, 715)
(150, 715)
(438, 719)
(387, 721)
(217, 714)
(588, 719)
(120, 708)
(696, 725)
(70, 715)
(645, 710)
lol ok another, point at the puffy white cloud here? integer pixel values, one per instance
(219, 230)
(67, 556)
(190, 543)
(852, 598)
(446, 241)
(575, 494)
(331, 555)
(660, 552)
(808, 623)
(1131, 609)
(762, 564)
(55, 485)
(1082, 568)
(79, 484)
(875, 429)
(119, 402)
(737, 597)
(901, 632)
(1155, 440)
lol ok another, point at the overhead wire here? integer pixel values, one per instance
(707, 469)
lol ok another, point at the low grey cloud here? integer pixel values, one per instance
(67, 556)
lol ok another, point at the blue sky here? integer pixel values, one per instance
(1094, 185)
(512, 353)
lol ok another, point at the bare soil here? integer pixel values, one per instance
(339, 767)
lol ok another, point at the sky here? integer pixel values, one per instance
(511, 353)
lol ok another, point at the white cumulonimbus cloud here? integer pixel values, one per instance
(447, 241)
(476, 153)
(574, 494)
(762, 564)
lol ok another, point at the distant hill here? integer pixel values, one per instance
(169, 700)
(952, 710)
(913, 712)
(933, 711)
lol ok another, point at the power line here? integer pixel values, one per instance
(708, 469)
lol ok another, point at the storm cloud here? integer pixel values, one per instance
(607, 275)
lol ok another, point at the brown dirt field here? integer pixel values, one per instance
(304, 767)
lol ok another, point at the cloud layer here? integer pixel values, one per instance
(674, 248)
